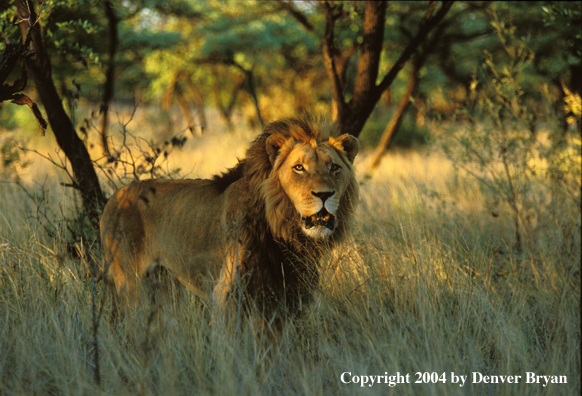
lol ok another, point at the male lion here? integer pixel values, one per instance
(261, 226)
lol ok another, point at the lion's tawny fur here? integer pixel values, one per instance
(248, 224)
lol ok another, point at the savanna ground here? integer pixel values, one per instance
(430, 282)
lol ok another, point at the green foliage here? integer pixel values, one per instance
(173, 46)
(230, 38)
(168, 47)
(500, 146)
(7, 16)
(566, 16)
(61, 39)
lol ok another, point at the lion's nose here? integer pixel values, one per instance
(323, 195)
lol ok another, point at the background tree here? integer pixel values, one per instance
(272, 59)
(39, 66)
(353, 114)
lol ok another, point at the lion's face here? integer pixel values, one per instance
(314, 176)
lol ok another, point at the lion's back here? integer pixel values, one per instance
(170, 206)
(167, 220)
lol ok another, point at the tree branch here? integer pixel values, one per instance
(330, 53)
(302, 19)
(394, 122)
(429, 24)
(396, 119)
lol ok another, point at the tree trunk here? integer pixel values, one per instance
(250, 79)
(353, 115)
(39, 67)
(184, 107)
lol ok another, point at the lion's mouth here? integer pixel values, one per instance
(321, 219)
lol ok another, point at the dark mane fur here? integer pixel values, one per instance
(225, 179)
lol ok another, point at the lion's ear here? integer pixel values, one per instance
(274, 144)
(350, 145)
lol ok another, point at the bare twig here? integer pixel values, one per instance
(298, 15)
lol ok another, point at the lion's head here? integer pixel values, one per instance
(307, 181)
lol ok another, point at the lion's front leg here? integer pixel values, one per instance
(230, 275)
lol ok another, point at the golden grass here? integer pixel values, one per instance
(428, 283)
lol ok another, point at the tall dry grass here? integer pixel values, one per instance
(429, 282)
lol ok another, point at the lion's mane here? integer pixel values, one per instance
(268, 234)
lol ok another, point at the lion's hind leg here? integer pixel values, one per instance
(125, 274)
(123, 237)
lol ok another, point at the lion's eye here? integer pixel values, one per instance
(335, 168)
(298, 168)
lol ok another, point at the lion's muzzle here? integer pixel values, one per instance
(321, 219)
